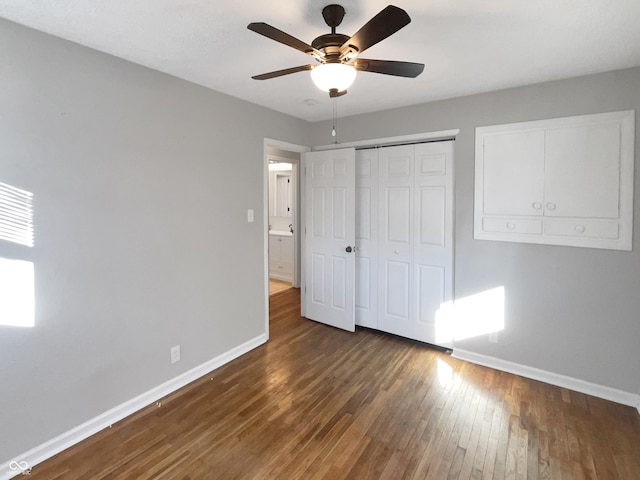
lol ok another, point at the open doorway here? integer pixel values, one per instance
(283, 227)
(282, 218)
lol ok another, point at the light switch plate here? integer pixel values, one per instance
(175, 354)
(250, 216)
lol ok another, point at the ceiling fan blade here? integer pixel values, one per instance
(388, 67)
(384, 24)
(282, 37)
(280, 73)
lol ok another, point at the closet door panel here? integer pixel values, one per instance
(433, 240)
(366, 238)
(430, 286)
(395, 239)
(431, 205)
(397, 212)
(397, 287)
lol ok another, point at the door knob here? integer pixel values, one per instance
(348, 249)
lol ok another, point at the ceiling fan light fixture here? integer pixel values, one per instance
(328, 76)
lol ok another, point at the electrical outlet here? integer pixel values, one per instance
(493, 337)
(250, 216)
(175, 354)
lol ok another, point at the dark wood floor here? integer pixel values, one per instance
(316, 402)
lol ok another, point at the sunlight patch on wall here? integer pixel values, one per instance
(471, 316)
(479, 314)
(16, 215)
(17, 300)
(17, 297)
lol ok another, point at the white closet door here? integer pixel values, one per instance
(330, 237)
(395, 240)
(367, 238)
(415, 241)
(433, 241)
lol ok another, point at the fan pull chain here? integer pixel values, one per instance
(334, 130)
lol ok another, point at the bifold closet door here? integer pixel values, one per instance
(396, 293)
(329, 237)
(415, 241)
(433, 242)
(367, 238)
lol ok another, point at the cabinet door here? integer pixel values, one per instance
(274, 249)
(582, 171)
(286, 250)
(513, 173)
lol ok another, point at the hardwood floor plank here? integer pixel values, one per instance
(319, 403)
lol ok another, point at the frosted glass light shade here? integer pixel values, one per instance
(333, 75)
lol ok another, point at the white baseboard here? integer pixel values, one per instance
(600, 391)
(14, 467)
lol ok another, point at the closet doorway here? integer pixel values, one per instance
(403, 238)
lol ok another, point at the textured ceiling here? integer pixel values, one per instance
(468, 46)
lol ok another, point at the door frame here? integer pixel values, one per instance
(300, 220)
(291, 147)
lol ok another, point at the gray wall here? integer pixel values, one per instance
(141, 186)
(572, 311)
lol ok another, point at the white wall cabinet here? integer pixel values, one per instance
(281, 257)
(565, 181)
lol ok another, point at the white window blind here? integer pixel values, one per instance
(16, 215)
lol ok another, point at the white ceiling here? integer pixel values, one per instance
(468, 46)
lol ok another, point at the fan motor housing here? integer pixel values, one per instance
(330, 42)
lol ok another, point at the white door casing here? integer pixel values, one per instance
(329, 283)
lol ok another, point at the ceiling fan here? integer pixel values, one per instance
(338, 55)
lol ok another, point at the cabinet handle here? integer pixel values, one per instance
(348, 249)
(537, 205)
(551, 206)
(511, 225)
(580, 228)
(397, 252)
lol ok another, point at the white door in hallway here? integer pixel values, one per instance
(329, 237)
